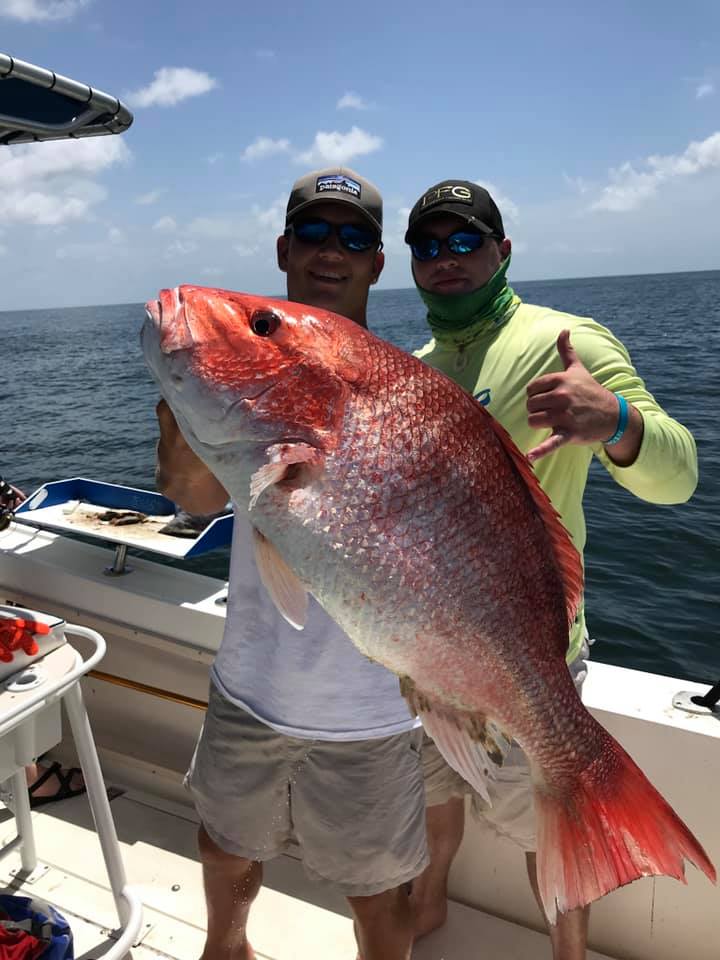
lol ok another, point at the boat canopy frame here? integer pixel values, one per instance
(38, 104)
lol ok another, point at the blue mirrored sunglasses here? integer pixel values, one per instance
(352, 237)
(463, 242)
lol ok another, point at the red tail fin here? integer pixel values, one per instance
(613, 828)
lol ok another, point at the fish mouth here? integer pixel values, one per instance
(152, 311)
(169, 317)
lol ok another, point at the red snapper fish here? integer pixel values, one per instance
(381, 487)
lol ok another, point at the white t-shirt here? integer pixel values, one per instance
(310, 683)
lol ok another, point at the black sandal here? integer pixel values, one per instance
(64, 790)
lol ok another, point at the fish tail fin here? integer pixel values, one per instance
(612, 828)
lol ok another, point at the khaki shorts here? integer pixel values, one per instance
(356, 808)
(511, 812)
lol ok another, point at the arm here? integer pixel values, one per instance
(180, 475)
(656, 458)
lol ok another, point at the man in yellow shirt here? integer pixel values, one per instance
(565, 389)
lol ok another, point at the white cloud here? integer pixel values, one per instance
(40, 209)
(165, 225)
(48, 184)
(214, 157)
(352, 101)
(272, 217)
(214, 228)
(29, 11)
(3, 249)
(265, 147)
(87, 191)
(394, 227)
(180, 248)
(145, 199)
(243, 229)
(170, 86)
(336, 147)
(629, 187)
(212, 271)
(105, 250)
(578, 184)
(245, 251)
(508, 209)
(28, 163)
(705, 89)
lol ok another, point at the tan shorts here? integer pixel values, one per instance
(511, 812)
(356, 808)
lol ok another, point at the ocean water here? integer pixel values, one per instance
(76, 400)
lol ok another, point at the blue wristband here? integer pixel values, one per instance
(622, 421)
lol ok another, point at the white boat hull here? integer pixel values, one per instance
(163, 626)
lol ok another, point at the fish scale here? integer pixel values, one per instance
(391, 495)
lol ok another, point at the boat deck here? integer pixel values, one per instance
(292, 919)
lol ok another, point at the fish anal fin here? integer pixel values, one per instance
(281, 458)
(566, 555)
(611, 828)
(284, 587)
(471, 743)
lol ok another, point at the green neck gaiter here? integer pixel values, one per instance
(460, 317)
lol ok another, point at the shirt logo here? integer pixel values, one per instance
(339, 183)
(483, 396)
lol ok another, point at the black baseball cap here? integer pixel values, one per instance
(463, 199)
(336, 183)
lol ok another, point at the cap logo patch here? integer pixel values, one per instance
(448, 193)
(339, 183)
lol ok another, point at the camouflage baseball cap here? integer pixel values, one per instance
(336, 183)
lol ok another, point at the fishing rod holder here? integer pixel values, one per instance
(707, 704)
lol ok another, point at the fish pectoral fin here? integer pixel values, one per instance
(282, 456)
(471, 744)
(265, 477)
(285, 588)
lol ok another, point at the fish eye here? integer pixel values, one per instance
(264, 323)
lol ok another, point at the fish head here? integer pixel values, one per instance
(239, 369)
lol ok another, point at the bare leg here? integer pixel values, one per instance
(428, 898)
(569, 935)
(231, 885)
(383, 925)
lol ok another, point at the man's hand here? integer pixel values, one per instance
(578, 410)
(181, 475)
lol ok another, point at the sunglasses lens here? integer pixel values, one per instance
(312, 231)
(465, 242)
(356, 238)
(425, 248)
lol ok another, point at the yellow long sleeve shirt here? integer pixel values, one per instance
(500, 361)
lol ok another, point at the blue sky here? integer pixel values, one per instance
(596, 128)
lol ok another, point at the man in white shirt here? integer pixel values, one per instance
(305, 740)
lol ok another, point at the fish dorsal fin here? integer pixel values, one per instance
(285, 589)
(567, 557)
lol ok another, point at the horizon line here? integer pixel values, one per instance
(276, 296)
